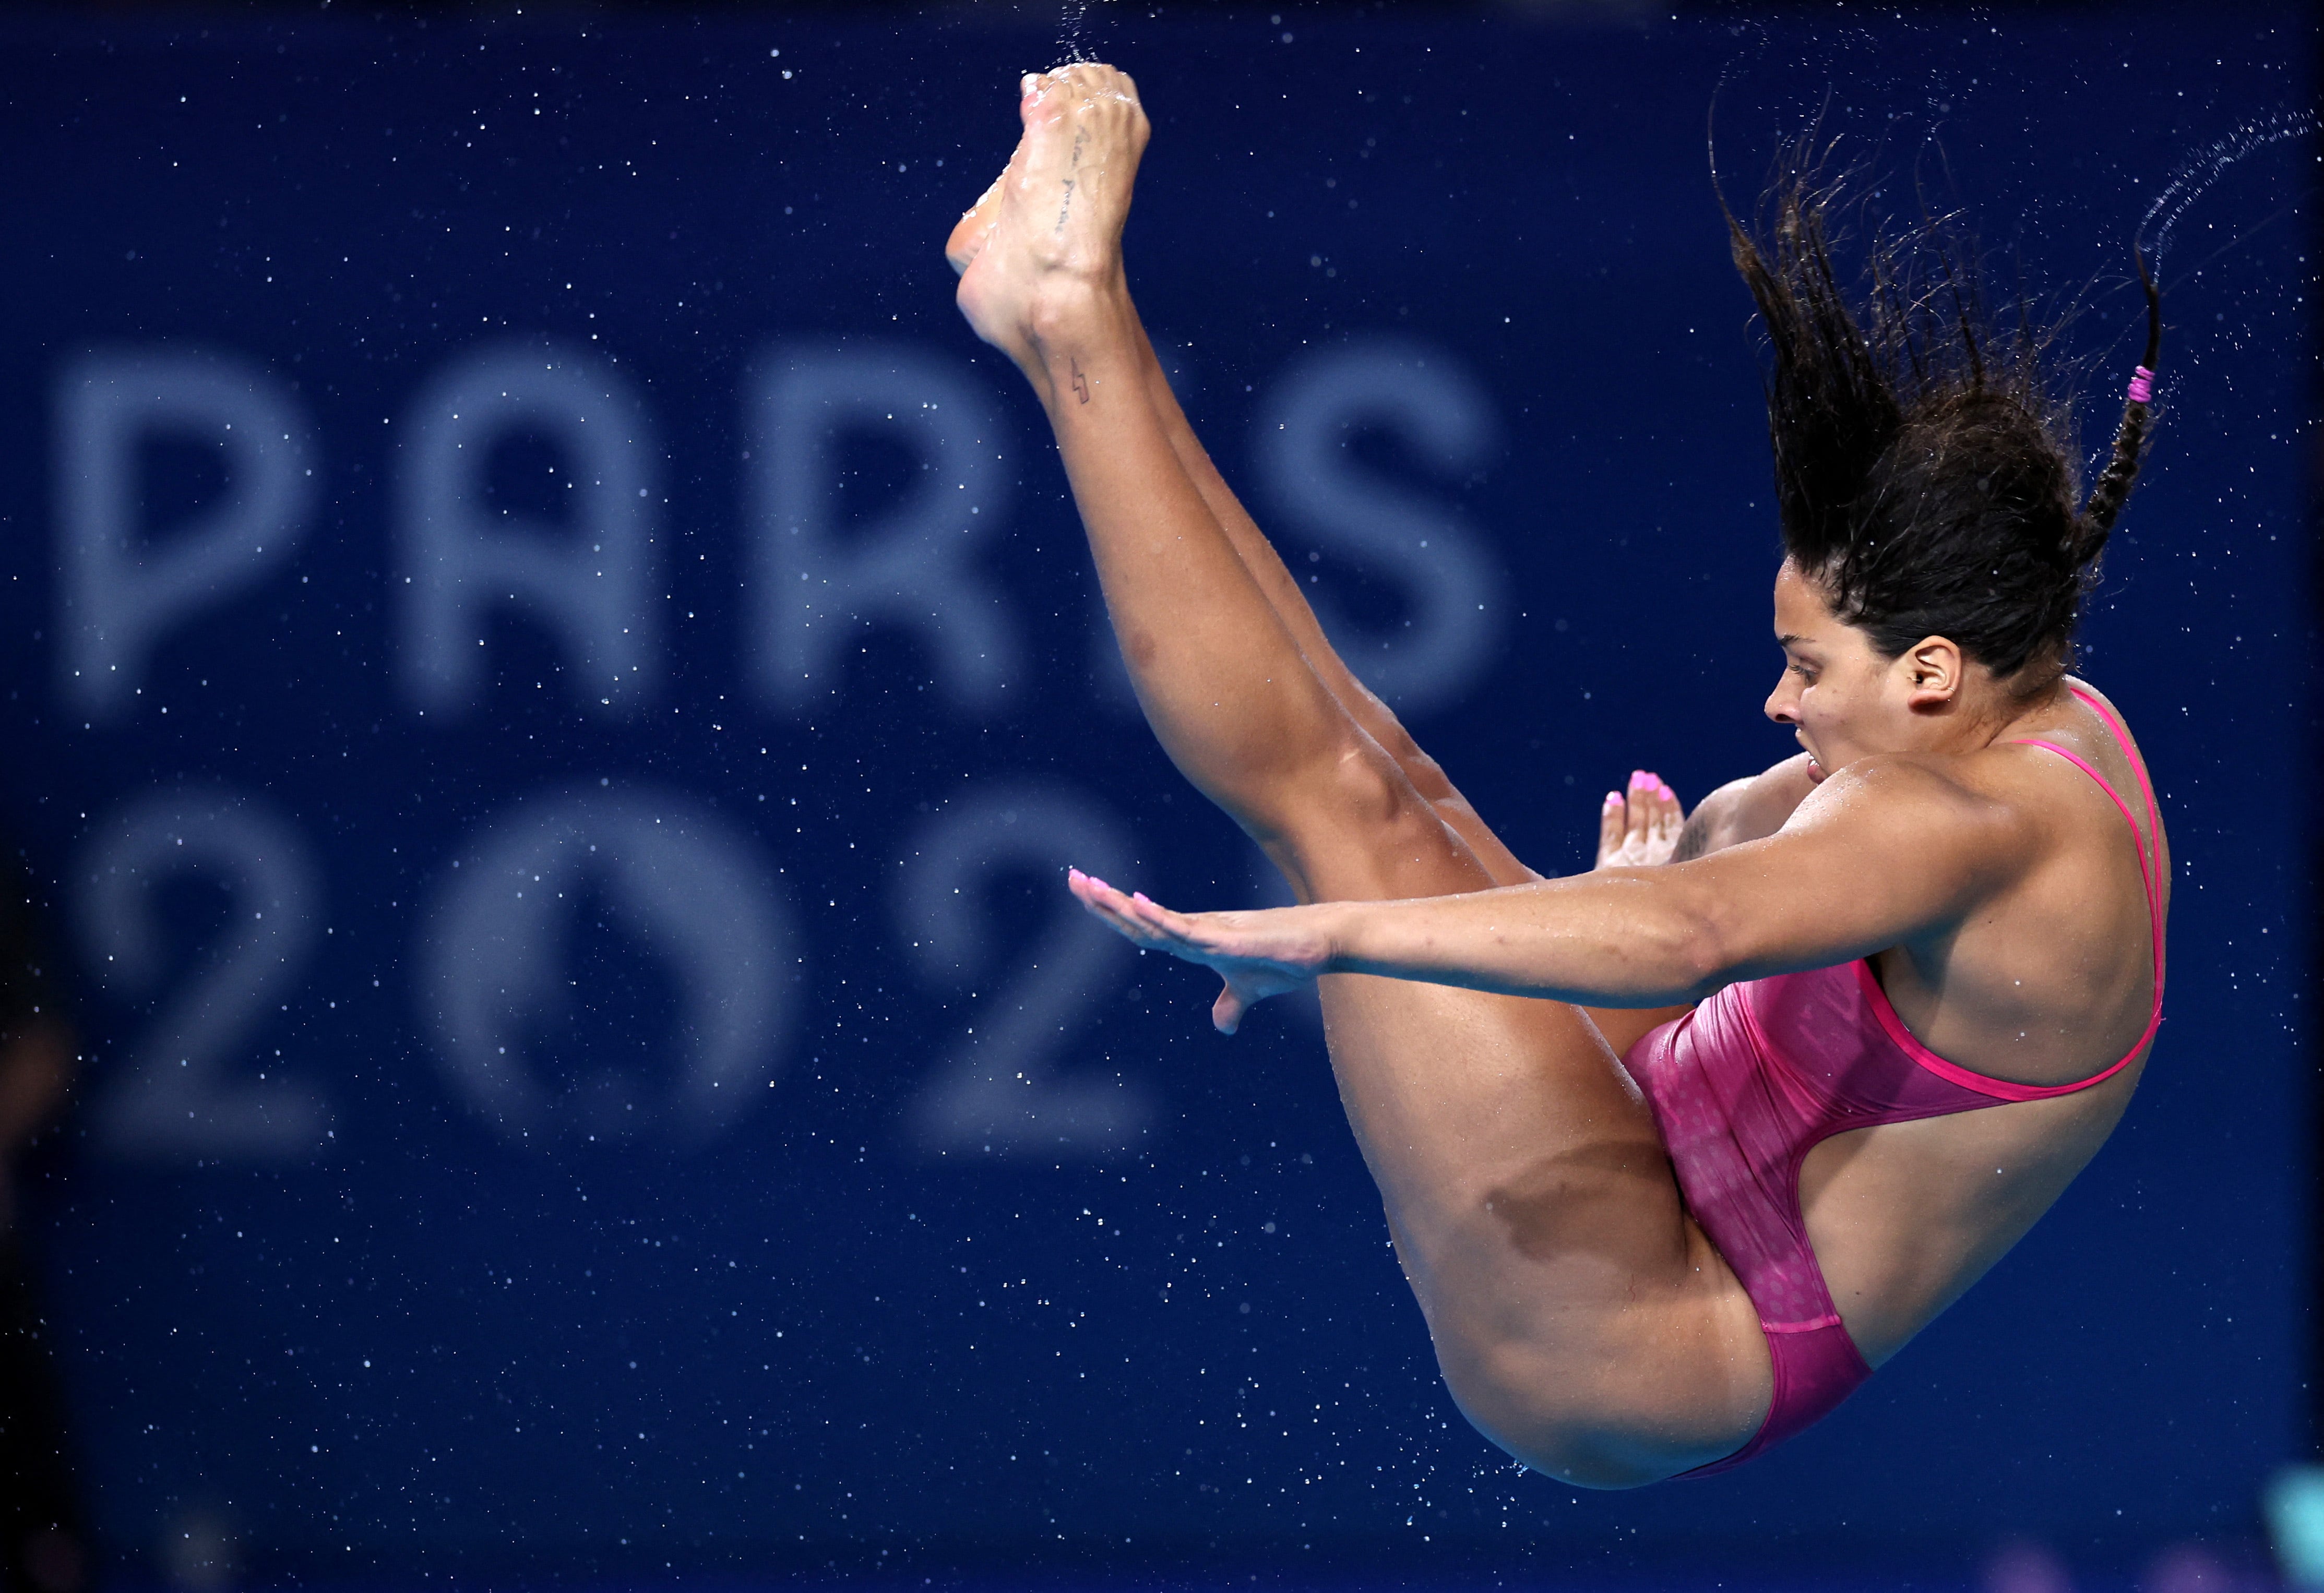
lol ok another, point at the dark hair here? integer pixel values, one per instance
(1924, 473)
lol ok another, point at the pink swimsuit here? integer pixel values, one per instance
(1745, 1085)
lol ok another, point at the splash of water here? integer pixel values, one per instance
(1072, 33)
(2206, 167)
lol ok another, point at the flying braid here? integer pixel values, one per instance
(2098, 516)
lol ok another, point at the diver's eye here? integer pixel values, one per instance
(1804, 672)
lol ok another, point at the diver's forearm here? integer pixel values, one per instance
(1618, 937)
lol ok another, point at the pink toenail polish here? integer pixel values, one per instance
(1665, 791)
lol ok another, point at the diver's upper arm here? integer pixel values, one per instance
(1881, 854)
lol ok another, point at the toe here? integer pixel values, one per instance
(1610, 822)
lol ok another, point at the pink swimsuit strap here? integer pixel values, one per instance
(2150, 887)
(2148, 848)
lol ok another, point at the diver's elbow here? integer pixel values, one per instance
(1699, 954)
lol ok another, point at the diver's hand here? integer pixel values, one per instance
(1259, 955)
(1639, 827)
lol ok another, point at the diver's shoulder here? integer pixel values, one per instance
(1933, 786)
(2076, 718)
(1901, 772)
(2091, 696)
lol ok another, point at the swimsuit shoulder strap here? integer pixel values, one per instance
(2115, 727)
(2148, 847)
(2150, 844)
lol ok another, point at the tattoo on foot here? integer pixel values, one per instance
(1065, 208)
(1081, 383)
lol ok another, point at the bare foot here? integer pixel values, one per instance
(1049, 230)
(977, 223)
(1639, 827)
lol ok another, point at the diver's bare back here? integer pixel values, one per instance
(2047, 986)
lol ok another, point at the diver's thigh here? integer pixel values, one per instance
(1576, 1309)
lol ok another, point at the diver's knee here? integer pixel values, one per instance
(1360, 784)
(1575, 1442)
(1581, 1419)
(1361, 803)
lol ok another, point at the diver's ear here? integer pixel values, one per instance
(1932, 673)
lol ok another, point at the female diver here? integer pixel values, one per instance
(1673, 1156)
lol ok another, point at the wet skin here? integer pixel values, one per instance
(1580, 1318)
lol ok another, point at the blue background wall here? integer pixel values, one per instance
(453, 457)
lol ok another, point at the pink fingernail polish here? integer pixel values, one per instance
(1093, 879)
(1139, 896)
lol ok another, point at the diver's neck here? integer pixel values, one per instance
(2001, 716)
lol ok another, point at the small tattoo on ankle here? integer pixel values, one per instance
(1081, 383)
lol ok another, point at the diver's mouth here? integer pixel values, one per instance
(1815, 770)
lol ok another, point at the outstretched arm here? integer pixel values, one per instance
(1884, 854)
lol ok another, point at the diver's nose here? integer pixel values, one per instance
(1783, 704)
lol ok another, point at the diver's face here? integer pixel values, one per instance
(1843, 700)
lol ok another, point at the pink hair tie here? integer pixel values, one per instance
(2142, 386)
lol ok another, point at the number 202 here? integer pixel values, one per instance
(685, 881)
